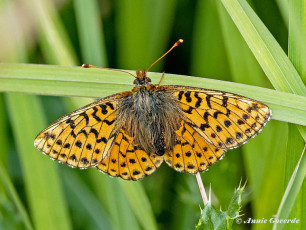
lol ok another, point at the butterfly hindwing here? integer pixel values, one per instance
(223, 119)
(127, 161)
(191, 152)
(79, 138)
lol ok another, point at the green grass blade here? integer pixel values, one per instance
(82, 198)
(67, 81)
(46, 200)
(269, 176)
(292, 190)
(283, 7)
(90, 32)
(208, 57)
(144, 28)
(54, 39)
(243, 65)
(295, 142)
(294, 148)
(3, 131)
(297, 36)
(8, 184)
(140, 204)
(267, 51)
(113, 198)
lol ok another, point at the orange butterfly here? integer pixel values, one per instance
(129, 134)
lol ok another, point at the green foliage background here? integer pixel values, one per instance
(225, 40)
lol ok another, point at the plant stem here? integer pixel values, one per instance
(202, 189)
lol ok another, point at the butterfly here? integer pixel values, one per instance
(130, 134)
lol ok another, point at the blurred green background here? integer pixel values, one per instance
(37, 193)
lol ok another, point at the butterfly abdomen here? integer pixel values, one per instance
(151, 118)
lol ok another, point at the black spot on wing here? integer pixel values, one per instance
(94, 114)
(224, 101)
(88, 146)
(208, 100)
(199, 100)
(187, 95)
(109, 122)
(217, 113)
(78, 144)
(102, 139)
(180, 95)
(83, 132)
(94, 131)
(84, 161)
(109, 104)
(85, 116)
(227, 123)
(104, 109)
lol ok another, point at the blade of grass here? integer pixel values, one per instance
(47, 204)
(81, 196)
(294, 148)
(113, 197)
(267, 51)
(284, 6)
(297, 36)
(43, 190)
(7, 183)
(270, 163)
(208, 57)
(54, 39)
(3, 131)
(140, 204)
(143, 29)
(292, 190)
(50, 80)
(243, 65)
(295, 143)
(90, 32)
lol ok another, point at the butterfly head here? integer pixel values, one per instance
(142, 79)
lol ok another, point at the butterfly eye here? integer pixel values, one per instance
(149, 79)
(136, 82)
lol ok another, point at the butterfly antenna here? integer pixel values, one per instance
(92, 66)
(180, 41)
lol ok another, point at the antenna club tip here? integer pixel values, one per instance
(180, 41)
(86, 66)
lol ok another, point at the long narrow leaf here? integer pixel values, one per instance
(67, 81)
(90, 32)
(267, 51)
(46, 200)
(140, 203)
(8, 184)
(292, 190)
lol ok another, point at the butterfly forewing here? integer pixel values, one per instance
(79, 138)
(223, 119)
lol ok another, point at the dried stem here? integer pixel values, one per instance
(202, 189)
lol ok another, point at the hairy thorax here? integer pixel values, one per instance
(151, 117)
